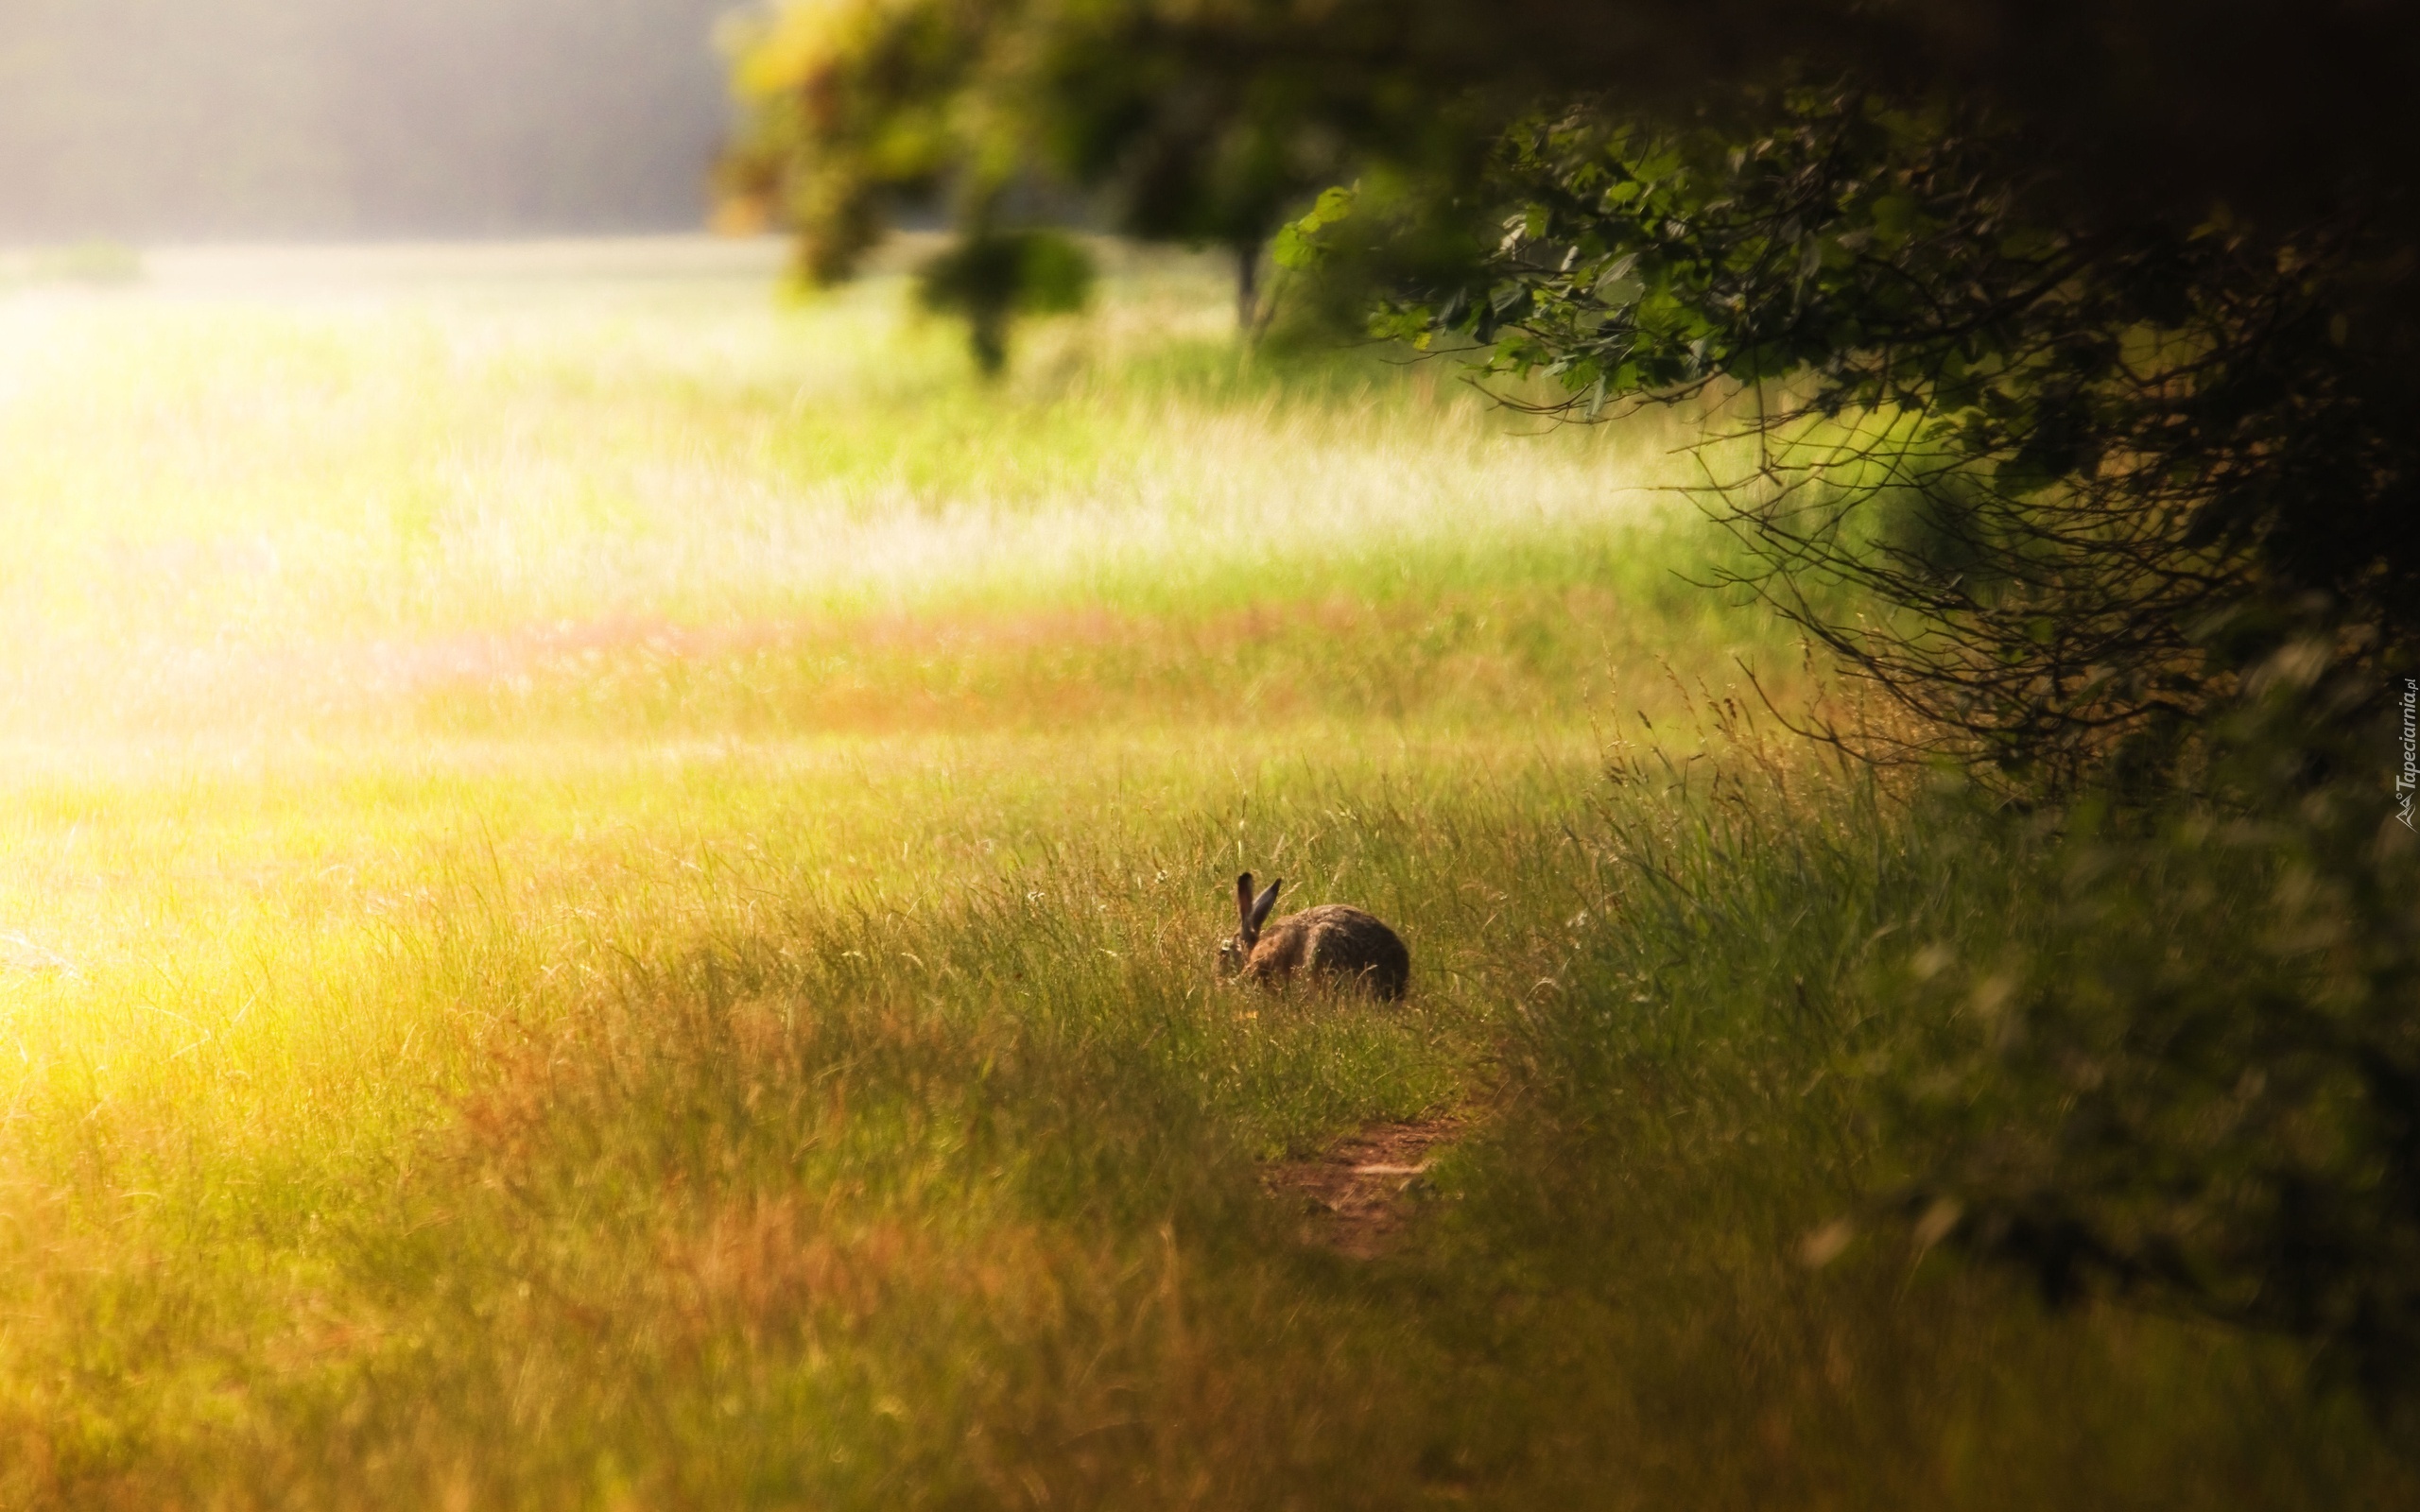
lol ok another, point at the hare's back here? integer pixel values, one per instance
(1347, 941)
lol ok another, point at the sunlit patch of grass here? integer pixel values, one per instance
(948, 982)
(1518, 651)
(224, 494)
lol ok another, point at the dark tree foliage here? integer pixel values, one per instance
(2196, 1080)
(2097, 470)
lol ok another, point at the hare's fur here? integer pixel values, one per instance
(1343, 943)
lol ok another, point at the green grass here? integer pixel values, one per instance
(609, 890)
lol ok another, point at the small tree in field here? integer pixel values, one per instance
(992, 278)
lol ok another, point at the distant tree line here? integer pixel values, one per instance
(143, 120)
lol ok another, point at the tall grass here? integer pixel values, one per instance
(585, 1000)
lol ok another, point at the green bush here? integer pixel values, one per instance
(992, 278)
(2191, 1072)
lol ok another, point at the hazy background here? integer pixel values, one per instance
(182, 120)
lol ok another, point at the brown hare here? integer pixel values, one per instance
(1349, 947)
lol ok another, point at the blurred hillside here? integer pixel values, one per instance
(171, 120)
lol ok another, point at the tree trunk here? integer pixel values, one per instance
(1248, 288)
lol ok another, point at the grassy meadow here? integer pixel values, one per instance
(608, 887)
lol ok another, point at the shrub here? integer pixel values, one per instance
(992, 278)
(2193, 1075)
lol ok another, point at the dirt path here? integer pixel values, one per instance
(1352, 1197)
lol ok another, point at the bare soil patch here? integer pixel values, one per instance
(1356, 1196)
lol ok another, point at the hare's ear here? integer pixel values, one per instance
(1266, 901)
(1243, 902)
